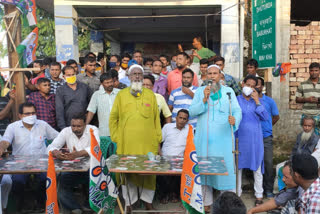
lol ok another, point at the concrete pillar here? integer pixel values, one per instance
(286, 128)
(230, 38)
(66, 32)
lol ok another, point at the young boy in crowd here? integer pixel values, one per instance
(44, 102)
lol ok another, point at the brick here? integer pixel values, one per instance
(307, 60)
(309, 32)
(316, 32)
(314, 28)
(309, 50)
(301, 28)
(314, 56)
(293, 51)
(314, 23)
(292, 75)
(316, 50)
(314, 60)
(293, 37)
(292, 26)
(303, 37)
(316, 42)
(294, 83)
(294, 42)
(308, 42)
(300, 61)
(315, 37)
(301, 70)
(311, 46)
(300, 79)
(294, 70)
(301, 32)
(300, 66)
(294, 32)
(293, 61)
(301, 41)
(293, 79)
(301, 51)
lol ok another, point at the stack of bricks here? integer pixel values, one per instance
(304, 49)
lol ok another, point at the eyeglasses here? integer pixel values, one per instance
(29, 113)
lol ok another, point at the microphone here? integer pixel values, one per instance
(229, 95)
(209, 83)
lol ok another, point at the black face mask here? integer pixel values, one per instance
(257, 89)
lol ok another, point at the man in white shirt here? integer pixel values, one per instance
(101, 102)
(174, 136)
(77, 140)
(27, 136)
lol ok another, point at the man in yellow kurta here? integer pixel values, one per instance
(135, 127)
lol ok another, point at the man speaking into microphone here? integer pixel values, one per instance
(214, 136)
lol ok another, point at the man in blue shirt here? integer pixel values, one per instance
(271, 107)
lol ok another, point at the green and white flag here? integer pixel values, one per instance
(27, 49)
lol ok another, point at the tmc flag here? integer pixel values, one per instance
(27, 49)
(103, 192)
(51, 188)
(190, 191)
(27, 9)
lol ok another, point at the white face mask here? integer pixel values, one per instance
(247, 90)
(30, 119)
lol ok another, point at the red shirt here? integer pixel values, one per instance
(175, 80)
(35, 80)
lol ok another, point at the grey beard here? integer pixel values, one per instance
(136, 86)
(306, 136)
(215, 87)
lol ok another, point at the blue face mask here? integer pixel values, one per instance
(112, 64)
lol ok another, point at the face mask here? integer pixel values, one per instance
(124, 66)
(173, 65)
(257, 89)
(30, 119)
(247, 91)
(112, 64)
(71, 80)
(156, 76)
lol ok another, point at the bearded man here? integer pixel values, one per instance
(213, 137)
(135, 127)
(307, 140)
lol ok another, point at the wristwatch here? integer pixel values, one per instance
(258, 104)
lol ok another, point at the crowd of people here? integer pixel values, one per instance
(146, 105)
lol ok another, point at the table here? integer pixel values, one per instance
(162, 165)
(20, 164)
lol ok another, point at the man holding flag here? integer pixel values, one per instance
(214, 133)
(77, 139)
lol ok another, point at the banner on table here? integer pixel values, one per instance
(103, 192)
(51, 188)
(191, 193)
(27, 49)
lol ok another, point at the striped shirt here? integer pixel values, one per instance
(180, 100)
(308, 89)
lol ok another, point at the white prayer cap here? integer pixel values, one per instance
(135, 66)
(214, 66)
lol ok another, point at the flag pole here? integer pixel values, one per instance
(120, 206)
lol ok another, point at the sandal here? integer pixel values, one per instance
(258, 202)
(164, 200)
